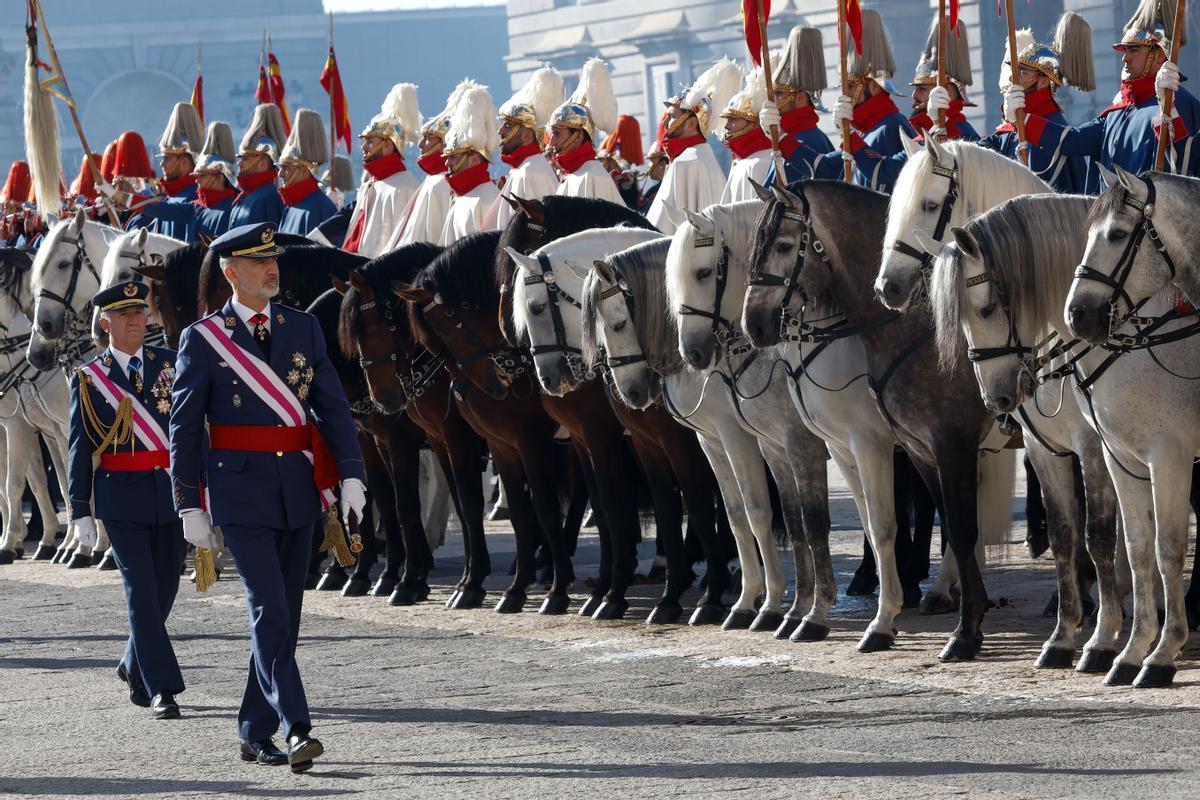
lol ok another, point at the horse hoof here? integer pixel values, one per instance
(79, 561)
(453, 598)
(45, 552)
(1096, 661)
(862, 585)
(611, 610)
(810, 632)
(403, 596)
(1155, 676)
(108, 563)
(1038, 542)
(384, 587)
(1193, 618)
(60, 554)
(876, 641)
(738, 621)
(98, 556)
(20, 553)
(766, 621)
(331, 582)
(590, 605)
(468, 598)
(7, 557)
(511, 603)
(422, 592)
(787, 628)
(707, 615)
(556, 604)
(665, 614)
(356, 587)
(932, 604)
(1055, 658)
(959, 649)
(1121, 674)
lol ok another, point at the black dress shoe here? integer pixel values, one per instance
(137, 690)
(263, 752)
(302, 749)
(164, 706)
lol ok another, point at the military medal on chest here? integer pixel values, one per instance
(162, 389)
(300, 376)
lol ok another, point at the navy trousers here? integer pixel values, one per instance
(150, 558)
(273, 564)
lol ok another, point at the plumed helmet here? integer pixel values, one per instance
(801, 66)
(958, 58)
(131, 159)
(217, 154)
(1151, 25)
(592, 107)
(876, 62)
(109, 161)
(439, 126)
(534, 102)
(18, 184)
(473, 124)
(748, 102)
(399, 118)
(265, 134)
(711, 90)
(306, 145)
(184, 132)
(343, 175)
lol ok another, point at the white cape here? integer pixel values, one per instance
(383, 204)
(692, 182)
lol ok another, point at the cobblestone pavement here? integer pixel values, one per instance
(428, 703)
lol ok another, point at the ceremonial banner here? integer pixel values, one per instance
(331, 82)
(751, 27)
(854, 23)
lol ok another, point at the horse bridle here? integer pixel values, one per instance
(572, 355)
(924, 258)
(508, 360)
(727, 335)
(80, 261)
(621, 287)
(418, 378)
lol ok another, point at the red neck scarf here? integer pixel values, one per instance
(675, 147)
(572, 161)
(249, 184)
(794, 123)
(468, 179)
(1134, 92)
(210, 198)
(749, 143)
(293, 195)
(385, 166)
(922, 122)
(518, 156)
(433, 164)
(869, 113)
(1039, 103)
(176, 185)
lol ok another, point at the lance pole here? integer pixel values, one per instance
(941, 53)
(333, 121)
(765, 56)
(1168, 100)
(847, 167)
(1015, 67)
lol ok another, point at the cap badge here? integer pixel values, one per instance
(268, 235)
(130, 290)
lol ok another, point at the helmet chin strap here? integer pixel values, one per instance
(457, 166)
(570, 144)
(375, 152)
(515, 128)
(678, 123)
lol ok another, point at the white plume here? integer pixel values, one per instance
(401, 106)
(473, 121)
(717, 85)
(595, 91)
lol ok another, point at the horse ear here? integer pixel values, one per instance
(205, 238)
(935, 150)
(511, 202)
(698, 221)
(139, 238)
(1107, 175)
(1125, 178)
(911, 146)
(522, 261)
(340, 285)
(79, 221)
(576, 268)
(153, 271)
(411, 293)
(360, 283)
(966, 242)
(763, 192)
(785, 196)
(605, 270)
(928, 243)
(533, 209)
(674, 216)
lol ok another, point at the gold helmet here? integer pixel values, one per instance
(592, 106)
(439, 125)
(958, 59)
(472, 123)
(711, 90)
(748, 102)
(265, 133)
(399, 118)
(1151, 25)
(217, 154)
(533, 104)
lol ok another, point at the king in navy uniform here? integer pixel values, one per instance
(120, 407)
(280, 437)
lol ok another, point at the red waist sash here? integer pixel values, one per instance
(135, 462)
(279, 439)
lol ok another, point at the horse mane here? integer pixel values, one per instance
(463, 275)
(16, 263)
(731, 220)
(399, 265)
(1110, 201)
(986, 179)
(642, 267)
(564, 216)
(1030, 245)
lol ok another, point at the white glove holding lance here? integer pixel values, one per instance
(1168, 94)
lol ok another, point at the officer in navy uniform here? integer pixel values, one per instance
(262, 488)
(131, 488)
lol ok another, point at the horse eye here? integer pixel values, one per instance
(536, 308)
(703, 274)
(1116, 235)
(619, 326)
(987, 310)
(782, 248)
(931, 205)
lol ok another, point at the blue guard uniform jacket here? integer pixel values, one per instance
(175, 216)
(1066, 173)
(307, 213)
(263, 204)
(214, 221)
(814, 156)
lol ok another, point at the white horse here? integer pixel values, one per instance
(132, 249)
(1141, 391)
(65, 276)
(992, 285)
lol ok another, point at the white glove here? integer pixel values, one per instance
(843, 110)
(107, 189)
(1014, 100)
(939, 100)
(198, 530)
(354, 499)
(85, 531)
(1166, 79)
(769, 116)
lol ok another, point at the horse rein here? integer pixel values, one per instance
(80, 261)
(924, 258)
(729, 337)
(572, 355)
(416, 382)
(511, 361)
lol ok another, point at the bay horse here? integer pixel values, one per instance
(403, 378)
(803, 249)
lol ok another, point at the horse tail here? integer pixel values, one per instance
(997, 479)
(41, 143)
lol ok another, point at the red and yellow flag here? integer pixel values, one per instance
(854, 23)
(331, 82)
(198, 97)
(270, 89)
(751, 27)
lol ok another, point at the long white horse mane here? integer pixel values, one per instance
(734, 223)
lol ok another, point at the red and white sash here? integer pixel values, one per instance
(145, 427)
(260, 379)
